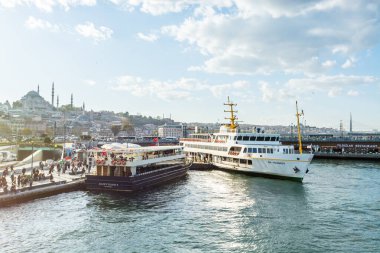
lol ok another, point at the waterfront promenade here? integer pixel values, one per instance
(51, 184)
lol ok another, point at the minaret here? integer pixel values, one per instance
(52, 95)
(72, 99)
(38, 89)
(57, 101)
(84, 107)
(350, 123)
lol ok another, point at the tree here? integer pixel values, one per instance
(127, 126)
(116, 129)
(26, 132)
(47, 140)
(5, 130)
(17, 104)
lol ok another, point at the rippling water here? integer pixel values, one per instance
(336, 209)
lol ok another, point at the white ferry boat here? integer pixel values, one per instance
(255, 153)
(132, 169)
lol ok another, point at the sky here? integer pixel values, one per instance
(184, 57)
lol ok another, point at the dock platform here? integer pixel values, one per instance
(43, 188)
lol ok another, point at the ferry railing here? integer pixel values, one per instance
(195, 140)
(128, 159)
(203, 140)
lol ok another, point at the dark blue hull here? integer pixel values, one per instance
(135, 183)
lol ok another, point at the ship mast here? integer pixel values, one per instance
(233, 119)
(299, 129)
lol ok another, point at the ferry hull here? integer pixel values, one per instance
(135, 183)
(287, 170)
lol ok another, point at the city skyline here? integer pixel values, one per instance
(185, 57)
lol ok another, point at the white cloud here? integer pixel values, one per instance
(36, 23)
(332, 86)
(184, 88)
(329, 64)
(349, 63)
(67, 4)
(161, 7)
(148, 37)
(89, 30)
(89, 82)
(334, 92)
(269, 36)
(46, 5)
(353, 93)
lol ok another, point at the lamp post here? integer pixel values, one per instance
(32, 153)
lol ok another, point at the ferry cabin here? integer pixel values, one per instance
(233, 144)
(134, 161)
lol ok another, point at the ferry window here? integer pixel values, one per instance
(260, 150)
(253, 138)
(264, 150)
(267, 138)
(277, 138)
(272, 138)
(246, 138)
(270, 150)
(240, 138)
(249, 150)
(235, 138)
(249, 162)
(245, 150)
(254, 150)
(260, 138)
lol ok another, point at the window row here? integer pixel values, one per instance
(259, 150)
(206, 147)
(256, 138)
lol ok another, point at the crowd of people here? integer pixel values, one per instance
(72, 167)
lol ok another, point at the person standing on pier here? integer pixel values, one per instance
(5, 172)
(12, 173)
(41, 166)
(59, 168)
(19, 181)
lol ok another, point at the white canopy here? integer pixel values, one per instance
(120, 146)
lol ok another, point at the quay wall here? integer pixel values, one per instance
(40, 191)
(348, 156)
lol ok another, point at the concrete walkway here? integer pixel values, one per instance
(63, 178)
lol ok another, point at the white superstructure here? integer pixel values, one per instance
(256, 152)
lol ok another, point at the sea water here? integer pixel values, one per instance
(335, 209)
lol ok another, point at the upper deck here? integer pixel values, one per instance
(235, 138)
(133, 157)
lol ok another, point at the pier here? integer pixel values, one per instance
(339, 147)
(59, 183)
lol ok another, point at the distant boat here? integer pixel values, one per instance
(132, 169)
(255, 153)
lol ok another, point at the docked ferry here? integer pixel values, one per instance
(255, 153)
(132, 169)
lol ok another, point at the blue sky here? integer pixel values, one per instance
(184, 57)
